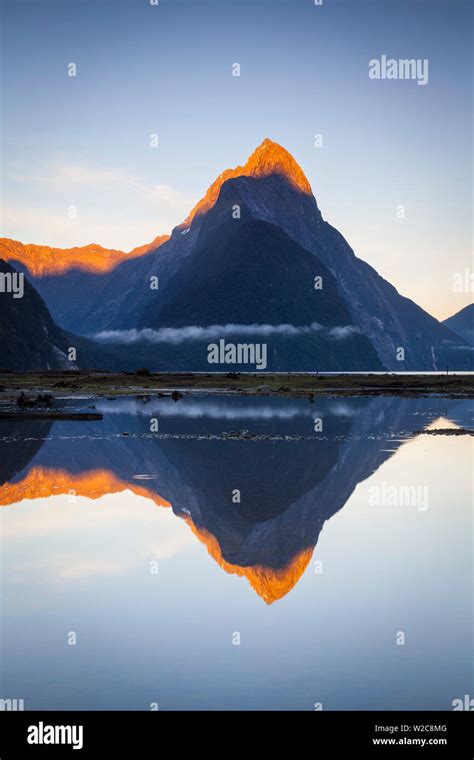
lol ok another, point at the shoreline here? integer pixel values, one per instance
(62, 385)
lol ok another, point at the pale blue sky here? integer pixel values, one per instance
(143, 69)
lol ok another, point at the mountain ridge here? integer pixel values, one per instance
(44, 260)
(462, 323)
(272, 188)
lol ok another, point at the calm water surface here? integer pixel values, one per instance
(280, 568)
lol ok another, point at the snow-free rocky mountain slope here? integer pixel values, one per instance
(273, 189)
(30, 339)
(462, 323)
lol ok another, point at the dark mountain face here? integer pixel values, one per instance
(31, 340)
(270, 188)
(248, 272)
(251, 272)
(462, 324)
(386, 318)
(14, 458)
(117, 300)
(104, 300)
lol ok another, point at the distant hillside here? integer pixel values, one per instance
(29, 337)
(462, 323)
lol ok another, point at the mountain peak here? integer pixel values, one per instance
(270, 583)
(269, 158)
(272, 158)
(270, 146)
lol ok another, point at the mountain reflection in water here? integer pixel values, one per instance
(286, 489)
(135, 541)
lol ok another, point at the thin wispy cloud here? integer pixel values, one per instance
(42, 226)
(57, 175)
(215, 332)
(153, 208)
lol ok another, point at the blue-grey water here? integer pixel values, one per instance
(238, 553)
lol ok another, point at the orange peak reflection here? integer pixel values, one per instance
(42, 482)
(270, 584)
(269, 158)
